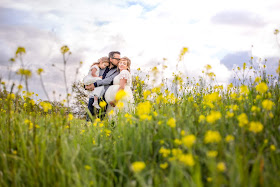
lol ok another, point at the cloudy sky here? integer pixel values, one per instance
(217, 32)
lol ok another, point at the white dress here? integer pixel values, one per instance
(112, 91)
(98, 91)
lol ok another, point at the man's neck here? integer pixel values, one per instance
(111, 66)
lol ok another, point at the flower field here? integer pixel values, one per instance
(206, 136)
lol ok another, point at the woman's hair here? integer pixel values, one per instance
(128, 62)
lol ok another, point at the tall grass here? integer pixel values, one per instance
(206, 137)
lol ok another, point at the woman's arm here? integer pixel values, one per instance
(93, 72)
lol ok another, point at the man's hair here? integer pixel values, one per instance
(111, 54)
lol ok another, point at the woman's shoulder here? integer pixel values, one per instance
(124, 72)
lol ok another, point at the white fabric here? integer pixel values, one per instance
(98, 91)
(90, 79)
(97, 70)
(112, 91)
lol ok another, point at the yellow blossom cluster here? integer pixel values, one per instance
(213, 116)
(46, 106)
(138, 166)
(144, 110)
(212, 137)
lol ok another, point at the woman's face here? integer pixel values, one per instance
(123, 64)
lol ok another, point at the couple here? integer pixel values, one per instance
(115, 76)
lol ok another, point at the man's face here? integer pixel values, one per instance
(115, 60)
(89, 87)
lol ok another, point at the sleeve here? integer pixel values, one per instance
(107, 81)
(124, 75)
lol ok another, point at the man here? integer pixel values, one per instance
(108, 75)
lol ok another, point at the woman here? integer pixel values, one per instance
(122, 82)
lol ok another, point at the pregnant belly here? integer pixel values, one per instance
(111, 93)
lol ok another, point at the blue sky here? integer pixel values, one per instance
(216, 32)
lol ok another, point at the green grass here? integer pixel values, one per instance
(63, 152)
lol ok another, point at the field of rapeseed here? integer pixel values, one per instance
(202, 135)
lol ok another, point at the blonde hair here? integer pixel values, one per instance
(128, 62)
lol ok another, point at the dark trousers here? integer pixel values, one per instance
(95, 111)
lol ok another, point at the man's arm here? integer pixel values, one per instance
(106, 81)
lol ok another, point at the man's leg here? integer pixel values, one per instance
(103, 110)
(90, 108)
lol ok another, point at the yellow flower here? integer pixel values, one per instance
(189, 140)
(20, 86)
(11, 96)
(243, 119)
(163, 165)
(70, 117)
(255, 109)
(111, 113)
(177, 141)
(187, 159)
(212, 137)
(46, 106)
(258, 79)
(120, 105)
(229, 114)
(221, 167)
(209, 179)
(244, 89)
(102, 104)
(208, 67)
(176, 152)
(164, 152)
(146, 93)
(144, 108)
(229, 138)
(138, 166)
(255, 127)
(93, 142)
(39, 71)
(183, 52)
(272, 148)
(267, 104)
(120, 94)
(213, 116)
(234, 107)
(171, 122)
(108, 132)
(87, 167)
(212, 154)
(182, 132)
(262, 87)
(201, 118)
(145, 117)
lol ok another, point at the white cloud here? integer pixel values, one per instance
(145, 31)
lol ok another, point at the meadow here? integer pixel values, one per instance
(201, 134)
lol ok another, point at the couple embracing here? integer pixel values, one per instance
(106, 78)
